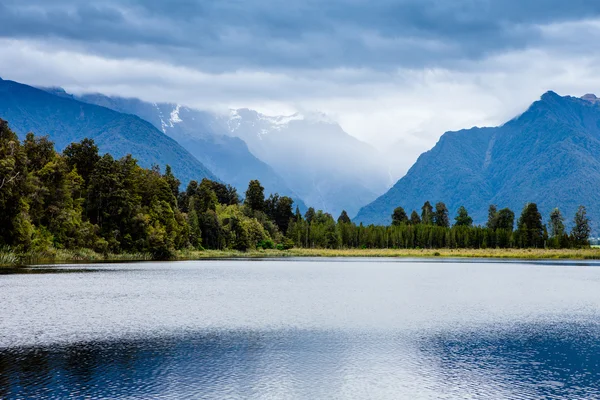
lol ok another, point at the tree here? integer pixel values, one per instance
(440, 217)
(427, 214)
(492, 222)
(530, 227)
(557, 225)
(226, 194)
(15, 227)
(505, 219)
(581, 227)
(255, 196)
(344, 218)
(172, 181)
(414, 218)
(279, 209)
(463, 218)
(399, 216)
(83, 156)
(206, 197)
(309, 215)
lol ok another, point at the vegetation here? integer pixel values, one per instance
(80, 205)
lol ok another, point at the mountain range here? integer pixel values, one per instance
(549, 155)
(202, 134)
(307, 157)
(66, 120)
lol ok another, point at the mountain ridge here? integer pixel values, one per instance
(66, 120)
(201, 134)
(548, 155)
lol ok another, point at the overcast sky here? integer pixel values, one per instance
(389, 71)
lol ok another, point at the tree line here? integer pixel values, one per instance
(81, 199)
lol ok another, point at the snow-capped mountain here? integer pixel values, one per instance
(326, 166)
(202, 134)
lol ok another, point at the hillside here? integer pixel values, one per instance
(67, 120)
(549, 155)
(201, 133)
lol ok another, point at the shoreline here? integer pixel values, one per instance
(11, 260)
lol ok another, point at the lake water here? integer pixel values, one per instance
(302, 329)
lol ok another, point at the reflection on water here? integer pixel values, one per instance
(528, 362)
(302, 330)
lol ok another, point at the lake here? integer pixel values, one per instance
(302, 329)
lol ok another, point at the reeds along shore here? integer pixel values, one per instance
(12, 259)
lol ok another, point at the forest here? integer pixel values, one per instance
(79, 199)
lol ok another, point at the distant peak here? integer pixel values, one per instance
(591, 98)
(549, 95)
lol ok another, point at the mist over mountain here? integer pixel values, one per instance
(328, 168)
(66, 120)
(549, 155)
(203, 135)
(308, 157)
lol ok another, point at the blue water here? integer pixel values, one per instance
(302, 329)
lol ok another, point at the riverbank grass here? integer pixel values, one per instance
(9, 258)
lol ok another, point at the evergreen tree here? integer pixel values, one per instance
(414, 218)
(344, 218)
(399, 216)
(255, 196)
(427, 214)
(505, 220)
(530, 227)
(309, 215)
(492, 222)
(83, 156)
(172, 181)
(440, 217)
(15, 226)
(463, 218)
(581, 228)
(557, 225)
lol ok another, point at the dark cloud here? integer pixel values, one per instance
(224, 35)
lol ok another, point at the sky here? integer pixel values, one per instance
(396, 74)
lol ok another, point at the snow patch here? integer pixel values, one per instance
(175, 116)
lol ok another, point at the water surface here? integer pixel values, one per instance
(302, 329)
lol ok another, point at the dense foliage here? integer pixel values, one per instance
(80, 199)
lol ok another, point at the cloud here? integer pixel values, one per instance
(394, 73)
(227, 35)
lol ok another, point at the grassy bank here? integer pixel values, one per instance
(8, 258)
(576, 254)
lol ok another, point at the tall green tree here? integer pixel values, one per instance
(581, 228)
(309, 215)
(414, 218)
(255, 196)
(344, 218)
(399, 216)
(440, 217)
(83, 156)
(427, 214)
(505, 219)
(15, 226)
(557, 224)
(463, 218)
(492, 221)
(530, 227)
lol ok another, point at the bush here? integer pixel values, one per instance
(265, 244)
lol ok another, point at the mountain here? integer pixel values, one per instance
(327, 167)
(202, 134)
(66, 120)
(549, 155)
